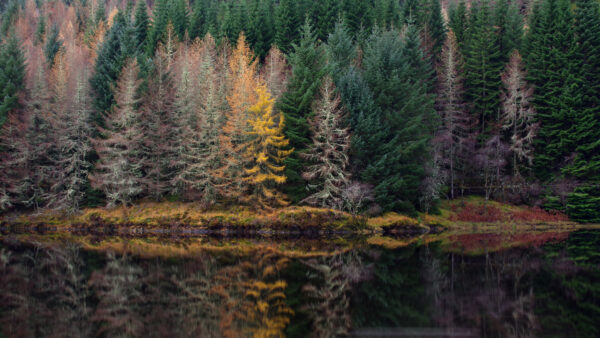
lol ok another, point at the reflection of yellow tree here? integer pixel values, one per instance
(265, 312)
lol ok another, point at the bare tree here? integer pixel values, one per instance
(518, 112)
(118, 171)
(328, 175)
(453, 141)
(356, 195)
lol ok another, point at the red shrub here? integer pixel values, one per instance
(478, 213)
(537, 214)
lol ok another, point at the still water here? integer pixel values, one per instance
(478, 285)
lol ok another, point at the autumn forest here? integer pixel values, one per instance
(383, 105)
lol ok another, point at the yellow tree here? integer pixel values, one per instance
(266, 150)
(243, 80)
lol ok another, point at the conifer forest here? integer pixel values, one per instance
(396, 104)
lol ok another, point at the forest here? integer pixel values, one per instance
(384, 105)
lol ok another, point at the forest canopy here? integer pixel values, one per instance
(396, 104)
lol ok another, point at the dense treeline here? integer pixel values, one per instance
(263, 102)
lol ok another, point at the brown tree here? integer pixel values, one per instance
(328, 173)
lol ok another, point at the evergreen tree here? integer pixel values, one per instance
(53, 45)
(328, 174)
(160, 21)
(12, 75)
(435, 28)
(141, 24)
(357, 16)
(458, 21)
(341, 50)
(40, 31)
(179, 17)
(587, 29)
(400, 89)
(197, 26)
(119, 168)
(109, 64)
(551, 48)
(308, 68)
(286, 24)
(326, 15)
(483, 67)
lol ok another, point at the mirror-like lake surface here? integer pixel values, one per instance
(479, 285)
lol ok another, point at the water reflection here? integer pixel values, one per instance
(550, 286)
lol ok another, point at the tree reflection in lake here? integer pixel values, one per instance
(59, 289)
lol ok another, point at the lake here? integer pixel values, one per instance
(469, 284)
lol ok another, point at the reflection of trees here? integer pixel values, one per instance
(330, 283)
(49, 291)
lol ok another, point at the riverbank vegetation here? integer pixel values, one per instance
(321, 112)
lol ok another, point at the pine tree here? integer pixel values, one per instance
(109, 64)
(458, 21)
(587, 29)
(119, 167)
(160, 20)
(341, 50)
(141, 23)
(483, 66)
(286, 25)
(357, 16)
(435, 28)
(308, 68)
(266, 151)
(40, 31)
(53, 45)
(400, 90)
(197, 26)
(453, 141)
(518, 113)
(179, 17)
(550, 54)
(328, 173)
(326, 15)
(12, 75)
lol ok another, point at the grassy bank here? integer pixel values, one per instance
(461, 213)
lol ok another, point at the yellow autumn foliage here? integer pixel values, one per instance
(266, 151)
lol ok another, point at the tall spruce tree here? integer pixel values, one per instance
(12, 75)
(483, 66)
(587, 30)
(550, 54)
(160, 21)
(401, 92)
(308, 68)
(141, 24)
(458, 21)
(286, 24)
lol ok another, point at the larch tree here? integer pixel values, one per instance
(453, 140)
(275, 72)
(518, 117)
(75, 148)
(160, 125)
(119, 168)
(267, 149)
(243, 81)
(328, 172)
(203, 156)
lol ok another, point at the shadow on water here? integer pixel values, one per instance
(444, 285)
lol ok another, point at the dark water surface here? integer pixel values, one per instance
(479, 285)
